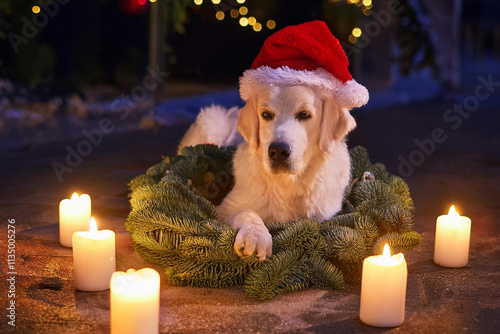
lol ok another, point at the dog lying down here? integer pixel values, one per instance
(293, 162)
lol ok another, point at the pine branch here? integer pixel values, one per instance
(398, 242)
(402, 190)
(346, 220)
(360, 161)
(324, 274)
(378, 170)
(302, 234)
(279, 274)
(345, 244)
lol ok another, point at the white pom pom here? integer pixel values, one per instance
(352, 95)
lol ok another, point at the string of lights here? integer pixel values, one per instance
(251, 21)
(366, 6)
(241, 13)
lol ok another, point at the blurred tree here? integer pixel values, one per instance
(23, 55)
(72, 44)
(5, 24)
(416, 49)
(446, 27)
(366, 26)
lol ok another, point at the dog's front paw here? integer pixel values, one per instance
(253, 236)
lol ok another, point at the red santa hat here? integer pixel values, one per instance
(305, 54)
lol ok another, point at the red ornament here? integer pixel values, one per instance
(133, 7)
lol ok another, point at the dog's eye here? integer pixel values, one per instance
(267, 115)
(303, 115)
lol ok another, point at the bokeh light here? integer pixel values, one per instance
(243, 22)
(243, 10)
(356, 32)
(234, 13)
(271, 24)
(257, 26)
(36, 9)
(252, 20)
(219, 15)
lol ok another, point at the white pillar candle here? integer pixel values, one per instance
(383, 289)
(74, 215)
(135, 301)
(93, 258)
(451, 247)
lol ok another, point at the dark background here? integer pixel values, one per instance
(106, 41)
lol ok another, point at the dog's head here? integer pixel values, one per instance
(288, 125)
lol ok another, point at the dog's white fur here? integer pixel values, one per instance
(312, 185)
(214, 124)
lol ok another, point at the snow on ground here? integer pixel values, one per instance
(28, 120)
(24, 123)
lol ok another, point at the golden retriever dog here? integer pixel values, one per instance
(293, 163)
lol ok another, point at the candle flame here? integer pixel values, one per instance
(387, 252)
(453, 212)
(74, 197)
(93, 225)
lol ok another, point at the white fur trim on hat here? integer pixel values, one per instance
(350, 94)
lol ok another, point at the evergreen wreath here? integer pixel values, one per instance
(173, 224)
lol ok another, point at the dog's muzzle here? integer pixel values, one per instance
(279, 154)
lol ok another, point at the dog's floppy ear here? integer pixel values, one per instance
(336, 123)
(248, 124)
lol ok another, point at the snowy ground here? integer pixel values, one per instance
(28, 120)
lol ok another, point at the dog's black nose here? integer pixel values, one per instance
(279, 152)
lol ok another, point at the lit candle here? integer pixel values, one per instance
(451, 247)
(135, 301)
(74, 215)
(383, 289)
(93, 258)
